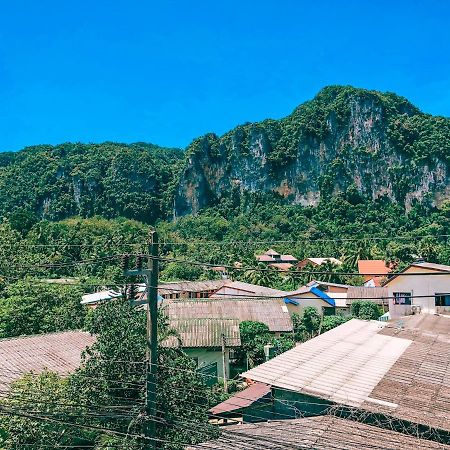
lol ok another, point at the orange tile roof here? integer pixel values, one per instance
(371, 267)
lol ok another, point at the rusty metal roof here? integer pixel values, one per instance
(419, 382)
(58, 352)
(320, 432)
(272, 312)
(401, 369)
(242, 399)
(168, 287)
(204, 333)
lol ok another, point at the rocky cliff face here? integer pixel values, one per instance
(346, 140)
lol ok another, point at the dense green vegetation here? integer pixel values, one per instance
(109, 179)
(106, 393)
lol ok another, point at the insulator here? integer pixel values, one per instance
(132, 292)
(124, 262)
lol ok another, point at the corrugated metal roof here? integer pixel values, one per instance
(313, 290)
(272, 312)
(254, 289)
(320, 432)
(242, 399)
(265, 258)
(99, 296)
(377, 294)
(433, 266)
(204, 333)
(326, 283)
(282, 266)
(320, 261)
(342, 365)
(168, 287)
(398, 368)
(58, 352)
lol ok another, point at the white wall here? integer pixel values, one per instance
(419, 285)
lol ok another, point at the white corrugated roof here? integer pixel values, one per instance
(343, 364)
(320, 261)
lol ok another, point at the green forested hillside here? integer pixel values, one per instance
(345, 140)
(110, 179)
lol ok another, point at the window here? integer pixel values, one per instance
(402, 298)
(442, 299)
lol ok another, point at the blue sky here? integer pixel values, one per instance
(169, 71)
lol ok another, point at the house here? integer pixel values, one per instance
(272, 312)
(420, 287)
(58, 352)
(310, 295)
(166, 290)
(189, 289)
(315, 262)
(273, 258)
(390, 375)
(318, 432)
(208, 341)
(231, 288)
(373, 271)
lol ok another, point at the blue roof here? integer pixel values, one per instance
(290, 301)
(323, 296)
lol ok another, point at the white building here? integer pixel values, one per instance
(421, 287)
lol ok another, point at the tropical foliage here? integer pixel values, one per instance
(101, 405)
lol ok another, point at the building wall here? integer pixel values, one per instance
(304, 301)
(208, 356)
(336, 289)
(420, 285)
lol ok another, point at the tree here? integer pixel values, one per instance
(366, 310)
(28, 308)
(106, 393)
(254, 336)
(181, 272)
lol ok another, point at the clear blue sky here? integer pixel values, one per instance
(168, 71)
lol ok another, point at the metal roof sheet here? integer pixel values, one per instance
(377, 294)
(253, 289)
(272, 312)
(242, 399)
(320, 432)
(405, 376)
(58, 352)
(204, 332)
(320, 261)
(342, 365)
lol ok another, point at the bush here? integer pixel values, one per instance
(366, 310)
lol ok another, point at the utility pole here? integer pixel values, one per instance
(152, 335)
(224, 361)
(150, 275)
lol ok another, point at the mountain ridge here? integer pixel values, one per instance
(374, 144)
(362, 144)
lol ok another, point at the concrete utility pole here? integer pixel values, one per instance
(150, 275)
(224, 363)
